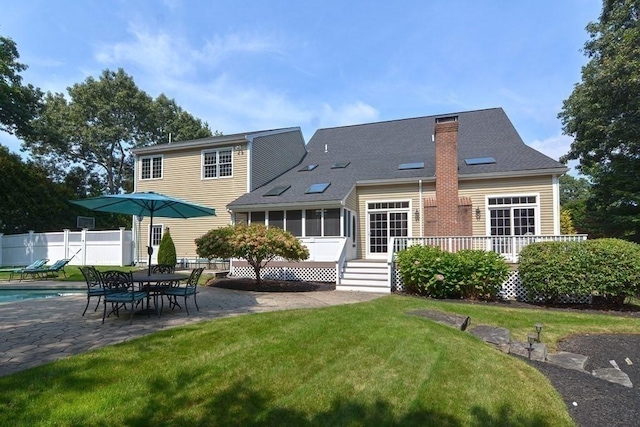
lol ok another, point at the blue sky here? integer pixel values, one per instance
(251, 65)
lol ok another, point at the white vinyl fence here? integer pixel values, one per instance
(86, 247)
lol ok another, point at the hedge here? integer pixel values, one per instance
(606, 268)
(432, 272)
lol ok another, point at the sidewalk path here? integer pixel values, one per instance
(37, 331)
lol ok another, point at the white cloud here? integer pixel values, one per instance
(347, 114)
(554, 146)
(162, 53)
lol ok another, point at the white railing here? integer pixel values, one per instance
(323, 249)
(342, 257)
(507, 246)
(86, 247)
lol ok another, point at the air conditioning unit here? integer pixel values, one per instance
(86, 222)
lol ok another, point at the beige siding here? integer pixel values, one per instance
(385, 193)
(182, 179)
(540, 186)
(352, 201)
(477, 190)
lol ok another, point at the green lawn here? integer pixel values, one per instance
(360, 365)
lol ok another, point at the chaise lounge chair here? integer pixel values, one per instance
(34, 265)
(47, 271)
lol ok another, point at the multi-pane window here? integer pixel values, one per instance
(151, 167)
(156, 235)
(512, 216)
(217, 163)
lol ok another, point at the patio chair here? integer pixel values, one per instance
(158, 288)
(34, 265)
(119, 291)
(186, 291)
(94, 285)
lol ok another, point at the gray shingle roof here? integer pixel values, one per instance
(375, 151)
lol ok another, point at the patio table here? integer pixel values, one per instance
(152, 285)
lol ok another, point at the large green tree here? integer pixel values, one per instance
(603, 115)
(18, 103)
(30, 201)
(99, 122)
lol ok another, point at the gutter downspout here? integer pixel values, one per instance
(421, 210)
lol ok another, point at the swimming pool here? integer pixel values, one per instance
(8, 295)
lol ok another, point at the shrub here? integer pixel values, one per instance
(549, 270)
(167, 250)
(483, 273)
(609, 268)
(432, 272)
(612, 268)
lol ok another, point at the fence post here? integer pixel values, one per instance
(83, 245)
(65, 242)
(30, 246)
(1, 237)
(121, 247)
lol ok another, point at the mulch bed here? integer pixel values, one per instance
(242, 284)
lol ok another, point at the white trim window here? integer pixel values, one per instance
(217, 163)
(150, 167)
(156, 235)
(513, 215)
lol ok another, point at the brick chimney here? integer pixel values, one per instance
(446, 140)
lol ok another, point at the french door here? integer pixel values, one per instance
(383, 225)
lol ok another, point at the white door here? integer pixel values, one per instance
(383, 225)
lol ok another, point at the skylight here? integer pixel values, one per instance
(416, 165)
(276, 191)
(340, 165)
(318, 188)
(308, 168)
(479, 161)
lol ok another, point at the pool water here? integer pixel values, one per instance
(14, 295)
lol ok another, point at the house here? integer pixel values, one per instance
(212, 172)
(359, 193)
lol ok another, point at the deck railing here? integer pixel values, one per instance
(507, 246)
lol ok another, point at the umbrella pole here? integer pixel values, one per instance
(150, 247)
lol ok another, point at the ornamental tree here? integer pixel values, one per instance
(255, 243)
(167, 250)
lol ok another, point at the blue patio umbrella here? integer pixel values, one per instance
(145, 204)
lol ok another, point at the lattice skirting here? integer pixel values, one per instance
(297, 274)
(512, 289)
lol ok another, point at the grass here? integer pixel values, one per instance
(354, 365)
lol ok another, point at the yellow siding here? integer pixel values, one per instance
(182, 179)
(352, 201)
(477, 190)
(540, 186)
(385, 193)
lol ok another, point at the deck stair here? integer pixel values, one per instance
(365, 276)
